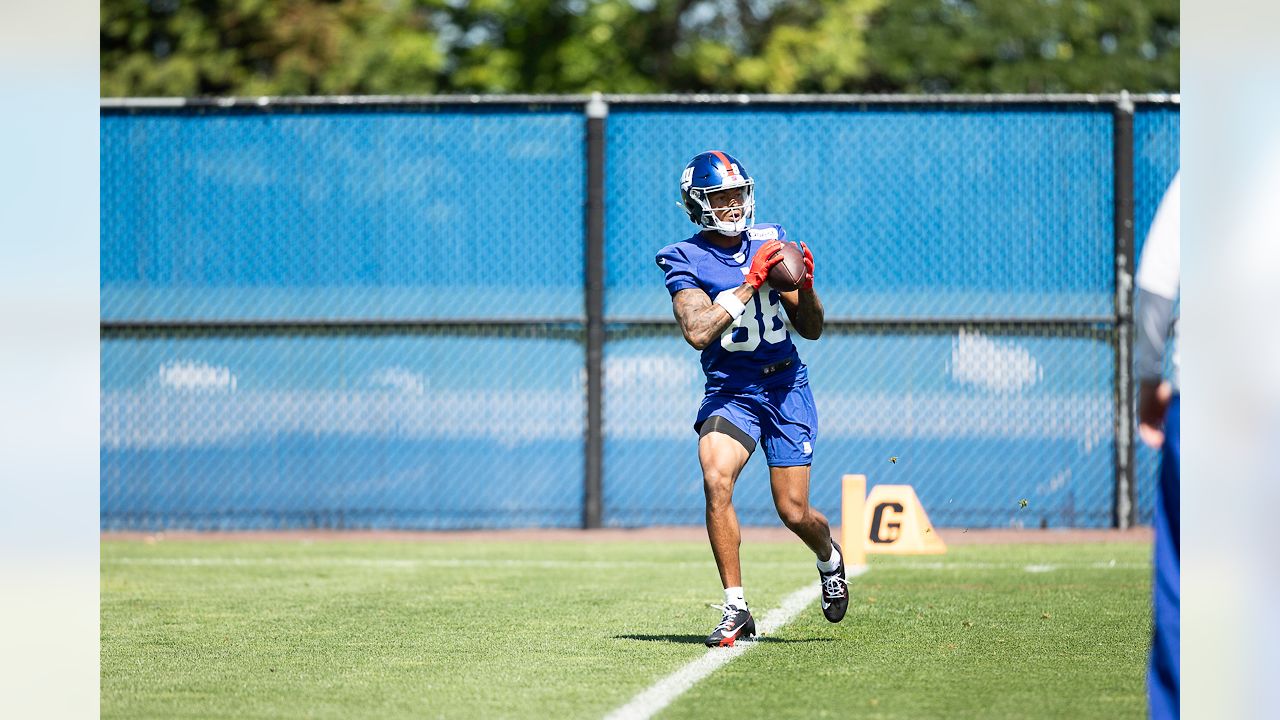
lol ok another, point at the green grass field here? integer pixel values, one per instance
(573, 630)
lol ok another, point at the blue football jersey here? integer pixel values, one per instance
(756, 339)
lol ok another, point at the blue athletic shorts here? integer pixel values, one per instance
(783, 419)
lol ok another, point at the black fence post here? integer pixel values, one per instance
(593, 478)
(1124, 513)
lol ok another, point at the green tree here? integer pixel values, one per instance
(799, 47)
(296, 47)
(1029, 46)
(281, 47)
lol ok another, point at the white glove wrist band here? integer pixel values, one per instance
(731, 304)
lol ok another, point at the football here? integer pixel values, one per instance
(788, 273)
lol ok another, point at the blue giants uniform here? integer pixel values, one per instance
(755, 379)
(1165, 670)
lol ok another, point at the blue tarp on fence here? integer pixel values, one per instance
(477, 214)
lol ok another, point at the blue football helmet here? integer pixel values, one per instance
(709, 172)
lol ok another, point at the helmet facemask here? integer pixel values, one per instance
(707, 217)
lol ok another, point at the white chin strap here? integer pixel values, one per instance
(729, 228)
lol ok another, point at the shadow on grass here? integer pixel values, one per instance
(700, 639)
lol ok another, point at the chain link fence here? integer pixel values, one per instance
(1155, 161)
(248, 257)
(913, 213)
(434, 428)
(317, 315)
(304, 214)
(976, 418)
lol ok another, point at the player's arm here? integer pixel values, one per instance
(703, 321)
(803, 306)
(1158, 279)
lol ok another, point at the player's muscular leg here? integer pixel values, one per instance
(722, 458)
(790, 487)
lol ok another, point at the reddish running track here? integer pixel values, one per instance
(952, 536)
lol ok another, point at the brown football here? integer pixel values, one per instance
(788, 273)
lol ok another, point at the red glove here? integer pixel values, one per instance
(766, 257)
(807, 283)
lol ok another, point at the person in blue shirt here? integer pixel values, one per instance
(757, 389)
(1159, 425)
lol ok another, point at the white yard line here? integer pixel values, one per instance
(582, 564)
(662, 693)
(1110, 565)
(396, 563)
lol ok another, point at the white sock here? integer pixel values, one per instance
(733, 596)
(832, 562)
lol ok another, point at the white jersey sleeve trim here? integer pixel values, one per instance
(1160, 268)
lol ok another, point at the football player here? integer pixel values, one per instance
(757, 389)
